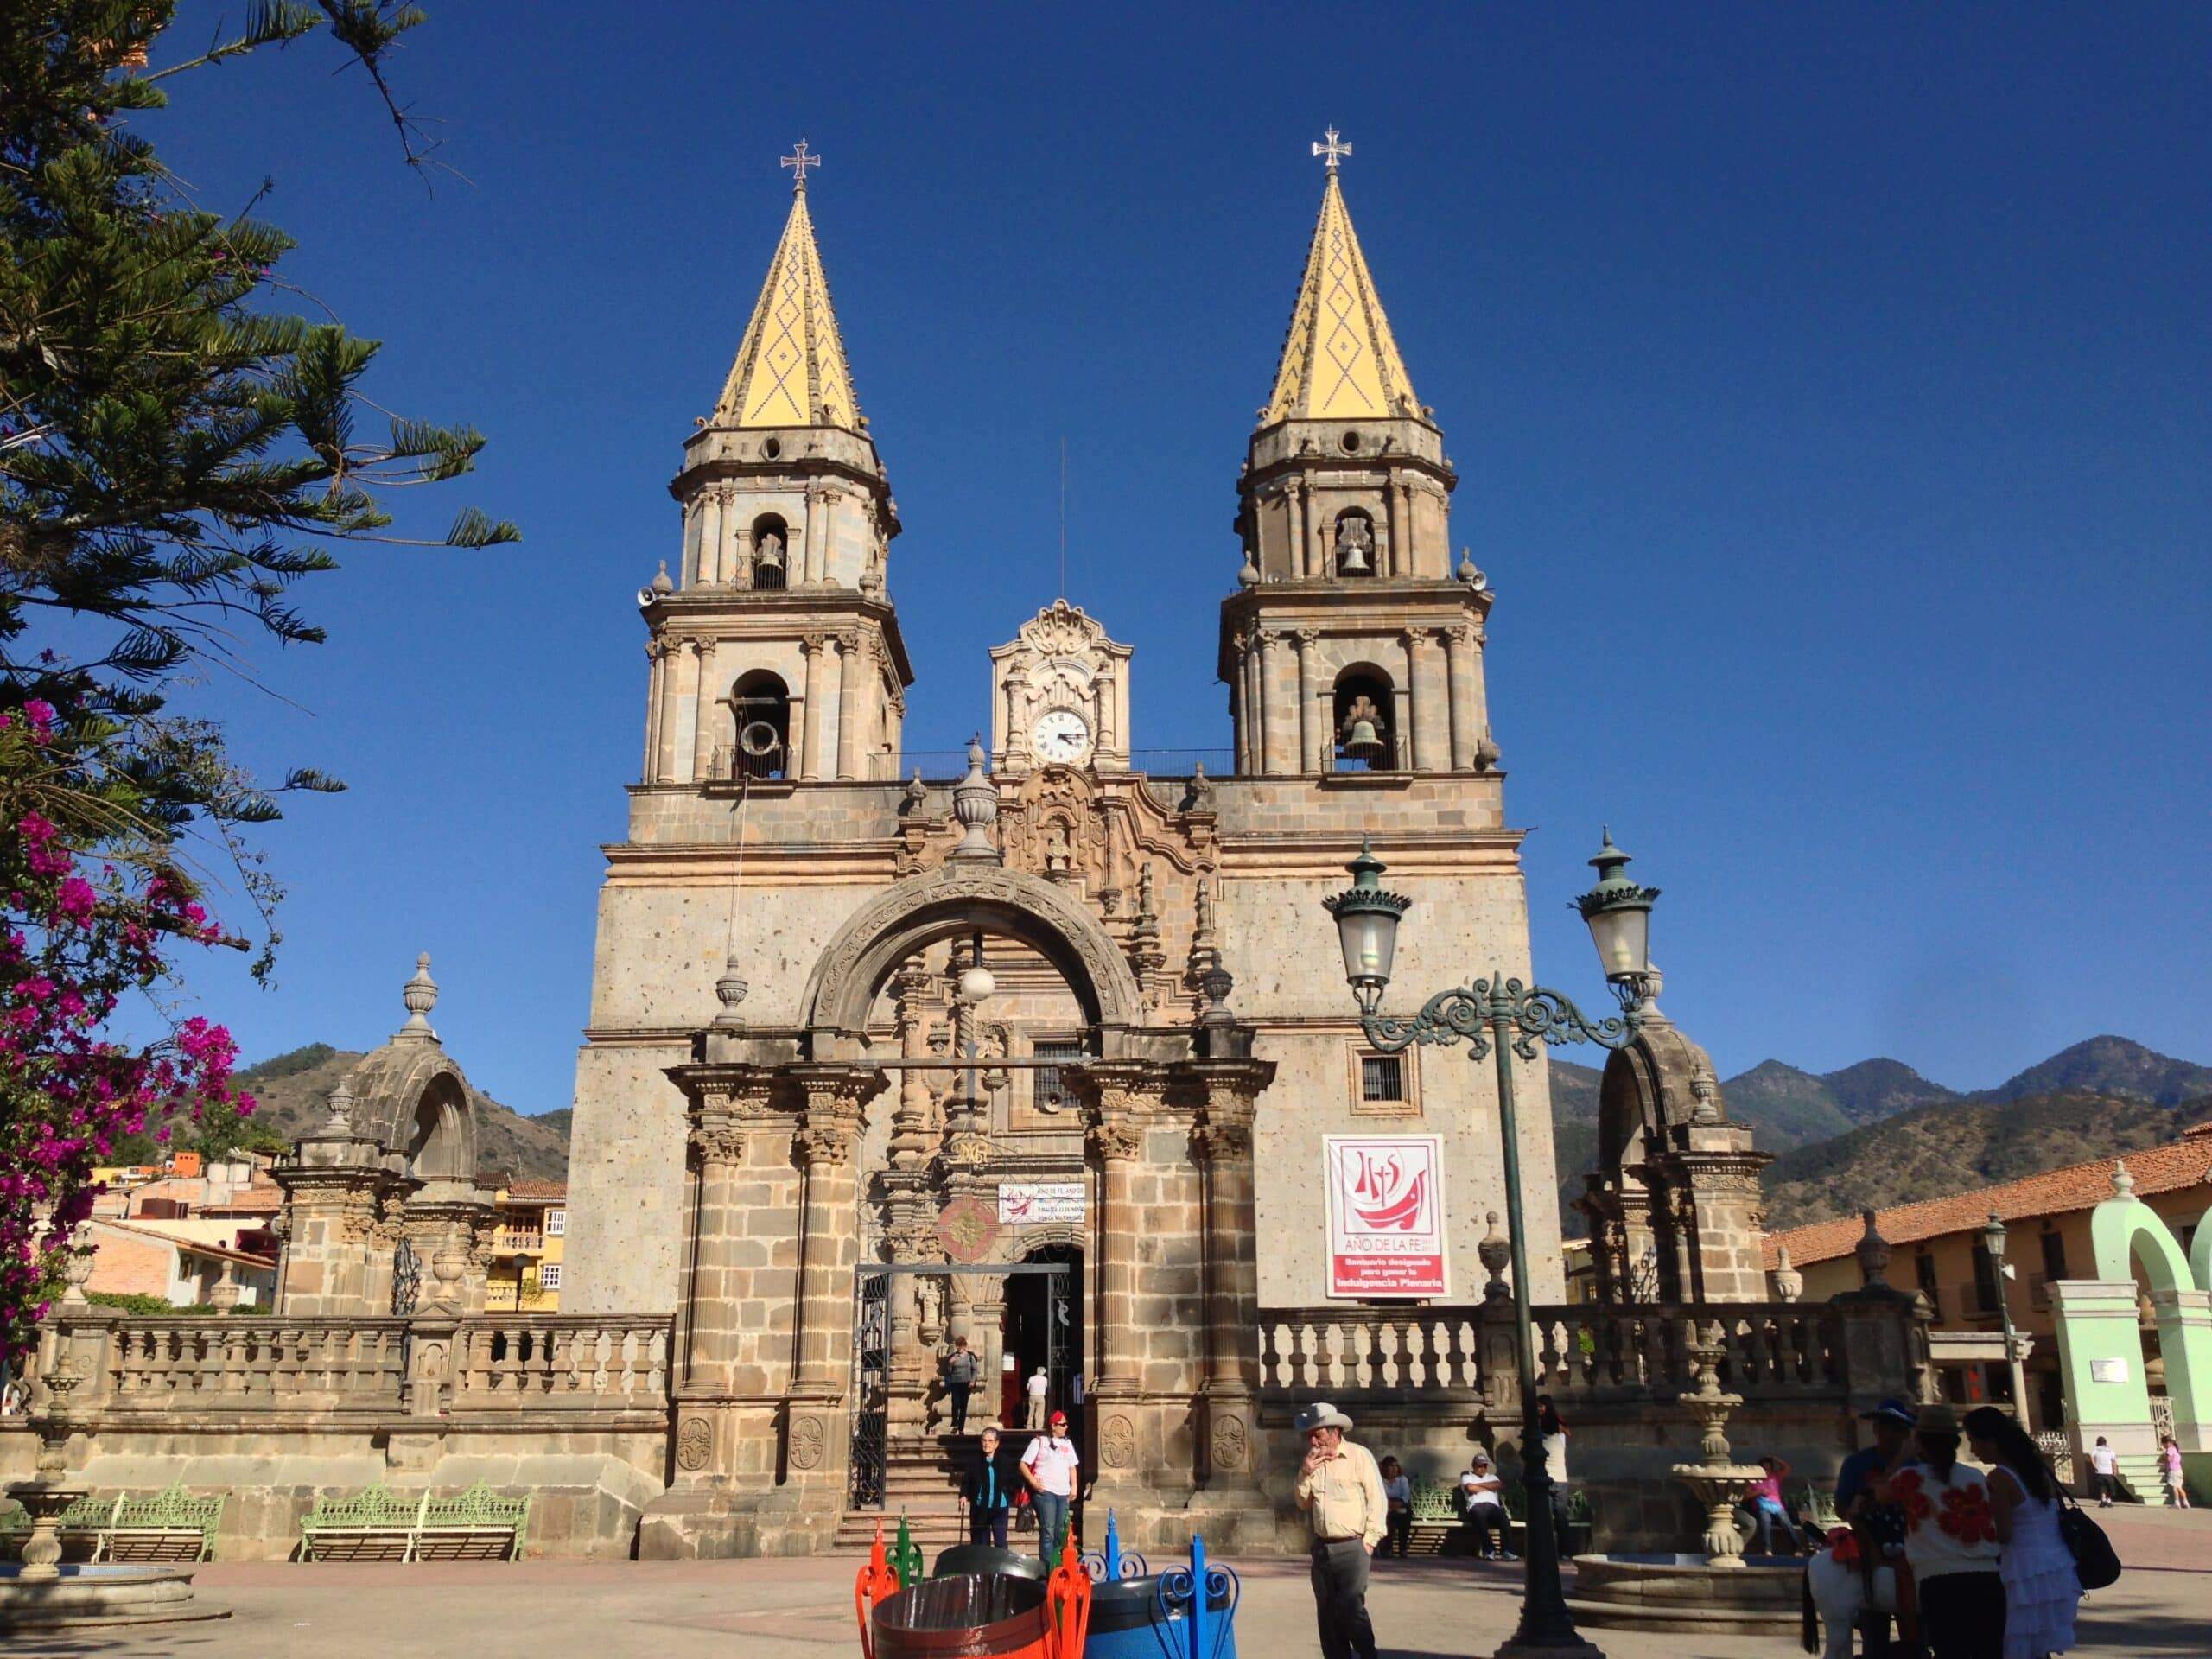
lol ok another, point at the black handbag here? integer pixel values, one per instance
(2096, 1562)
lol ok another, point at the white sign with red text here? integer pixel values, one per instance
(1386, 1215)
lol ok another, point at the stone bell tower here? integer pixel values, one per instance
(1354, 643)
(778, 654)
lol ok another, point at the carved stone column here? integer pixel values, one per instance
(707, 567)
(849, 711)
(1459, 666)
(1278, 734)
(685, 706)
(649, 771)
(1120, 1093)
(1310, 737)
(708, 723)
(810, 754)
(1223, 1142)
(1240, 701)
(827, 1138)
(1432, 749)
(1301, 562)
(810, 567)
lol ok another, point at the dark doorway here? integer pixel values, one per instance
(1044, 1326)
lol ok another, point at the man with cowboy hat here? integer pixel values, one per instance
(1341, 1492)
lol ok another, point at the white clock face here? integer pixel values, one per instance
(1061, 736)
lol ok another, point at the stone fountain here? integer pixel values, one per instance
(1717, 1589)
(1718, 1484)
(43, 1594)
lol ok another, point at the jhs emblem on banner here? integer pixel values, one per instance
(1386, 1215)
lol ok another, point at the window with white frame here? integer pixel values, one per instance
(549, 1275)
(556, 1222)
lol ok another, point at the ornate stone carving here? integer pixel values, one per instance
(695, 1445)
(836, 989)
(1117, 1442)
(1230, 1442)
(1114, 1139)
(810, 1435)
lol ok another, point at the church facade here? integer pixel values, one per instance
(1054, 1056)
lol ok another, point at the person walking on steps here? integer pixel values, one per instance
(961, 1368)
(1340, 1489)
(1039, 1385)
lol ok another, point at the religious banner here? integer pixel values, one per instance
(1026, 1201)
(1386, 1215)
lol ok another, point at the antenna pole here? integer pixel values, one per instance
(1063, 515)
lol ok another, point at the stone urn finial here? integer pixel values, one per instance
(2123, 1183)
(340, 1125)
(729, 990)
(77, 1272)
(420, 993)
(1248, 574)
(1788, 1283)
(1873, 1253)
(975, 804)
(660, 583)
(1495, 1252)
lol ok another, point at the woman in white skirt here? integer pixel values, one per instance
(2041, 1590)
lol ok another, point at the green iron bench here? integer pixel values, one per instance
(384, 1525)
(1437, 1529)
(171, 1525)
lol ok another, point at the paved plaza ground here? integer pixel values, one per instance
(803, 1610)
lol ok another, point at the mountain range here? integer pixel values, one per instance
(1877, 1132)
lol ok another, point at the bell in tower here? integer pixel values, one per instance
(1351, 645)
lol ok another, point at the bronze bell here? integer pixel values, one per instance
(1363, 741)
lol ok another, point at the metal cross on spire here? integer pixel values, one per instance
(798, 161)
(1334, 150)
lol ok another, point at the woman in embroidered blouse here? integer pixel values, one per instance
(1951, 1543)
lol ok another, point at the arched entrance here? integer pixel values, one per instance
(1043, 1329)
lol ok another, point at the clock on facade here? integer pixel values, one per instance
(1062, 736)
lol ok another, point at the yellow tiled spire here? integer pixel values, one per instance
(790, 368)
(1339, 362)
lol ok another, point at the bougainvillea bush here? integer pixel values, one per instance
(178, 449)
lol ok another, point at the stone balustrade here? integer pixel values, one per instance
(1584, 1352)
(141, 1367)
(557, 1360)
(1316, 1351)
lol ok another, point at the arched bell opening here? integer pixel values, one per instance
(771, 543)
(1366, 738)
(760, 704)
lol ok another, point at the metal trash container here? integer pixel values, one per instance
(987, 1559)
(1128, 1620)
(965, 1615)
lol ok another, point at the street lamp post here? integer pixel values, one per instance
(1993, 1239)
(1499, 1017)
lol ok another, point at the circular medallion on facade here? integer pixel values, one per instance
(967, 1229)
(695, 1445)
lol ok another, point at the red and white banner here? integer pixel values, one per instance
(1386, 1215)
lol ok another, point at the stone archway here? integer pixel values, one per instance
(955, 899)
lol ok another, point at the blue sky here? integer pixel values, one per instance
(1827, 388)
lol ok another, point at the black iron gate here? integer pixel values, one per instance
(871, 1382)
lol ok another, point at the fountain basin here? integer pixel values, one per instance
(86, 1597)
(1661, 1590)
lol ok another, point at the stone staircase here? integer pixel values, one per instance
(921, 1479)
